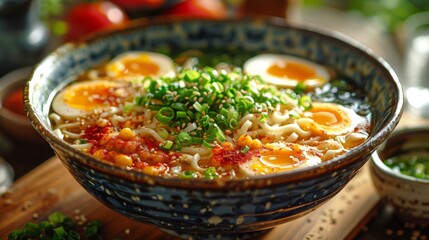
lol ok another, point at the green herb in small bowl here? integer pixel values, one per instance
(415, 164)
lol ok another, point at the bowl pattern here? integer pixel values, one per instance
(408, 195)
(205, 211)
(210, 209)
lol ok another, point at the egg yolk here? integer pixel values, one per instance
(280, 158)
(292, 70)
(274, 158)
(329, 117)
(141, 65)
(88, 97)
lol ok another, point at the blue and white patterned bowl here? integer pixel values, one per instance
(210, 209)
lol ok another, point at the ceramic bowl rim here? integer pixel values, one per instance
(375, 138)
(383, 168)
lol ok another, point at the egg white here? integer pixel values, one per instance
(65, 105)
(259, 65)
(116, 66)
(263, 165)
(348, 122)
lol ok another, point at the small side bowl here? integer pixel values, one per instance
(12, 124)
(408, 195)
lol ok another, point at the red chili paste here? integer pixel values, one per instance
(228, 155)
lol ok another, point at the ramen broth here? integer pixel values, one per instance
(211, 116)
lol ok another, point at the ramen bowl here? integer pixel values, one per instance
(206, 209)
(404, 186)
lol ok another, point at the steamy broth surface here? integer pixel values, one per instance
(211, 115)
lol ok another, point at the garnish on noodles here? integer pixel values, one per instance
(211, 122)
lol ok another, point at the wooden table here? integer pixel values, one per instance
(50, 187)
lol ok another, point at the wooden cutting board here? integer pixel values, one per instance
(50, 187)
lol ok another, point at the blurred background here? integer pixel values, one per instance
(29, 29)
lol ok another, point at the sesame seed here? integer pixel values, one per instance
(52, 191)
(27, 205)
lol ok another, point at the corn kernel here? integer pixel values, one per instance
(123, 160)
(244, 140)
(256, 144)
(150, 170)
(99, 154)
(153, 170)
(126, 134)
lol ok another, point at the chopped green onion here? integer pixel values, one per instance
(218, 87)
(263, 118)
(221, 121)
(178, 106)
(210, 173)
(305, 102)
(245, 149)
(58, 226)
(188, 174)
(92, 229)
(162, 132)
(219, 133)
(166, 145)
(207, 144)
(294, 114)
(233, 124)
(197, 106)
(192, 75)
(196, 140)
(224, 112)
(300, 88)
(181, 114)
(165, 115)
(233, 114)
(183, 139)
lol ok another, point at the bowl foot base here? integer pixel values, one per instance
(210, 236)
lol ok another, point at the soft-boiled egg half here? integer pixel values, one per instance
(286, 71)
(331, 119)
(82, 98)
(280, 157)
(139, 64)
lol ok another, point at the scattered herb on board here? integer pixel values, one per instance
(58, 226)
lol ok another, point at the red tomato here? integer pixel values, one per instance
(199, 8)
(130, 4)
(13, 102)
(85, 18)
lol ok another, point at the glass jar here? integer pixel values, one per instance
(23, 36)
